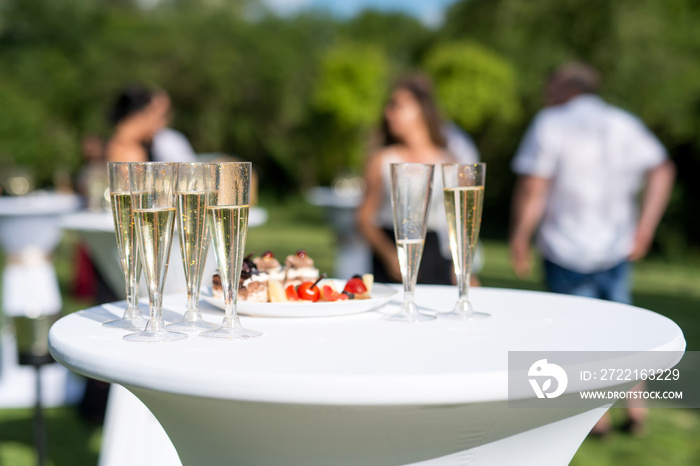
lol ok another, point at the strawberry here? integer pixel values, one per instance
(291, 293)
(355, 286)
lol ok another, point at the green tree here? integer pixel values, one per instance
(473, 84)
(349, 93)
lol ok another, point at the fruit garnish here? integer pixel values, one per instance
(291, 293)
(276, 292)
(308, 291)
(267, 255)
(248, 267)
(355, 285)
(301, 253)
(331, 295)
(368, 280)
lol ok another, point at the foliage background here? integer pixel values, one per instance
(301, 95)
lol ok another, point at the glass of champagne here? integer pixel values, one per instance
(464, 200)
(411, 188)
(153, 201)
(227, 214)
(127, 245)
(195, 181)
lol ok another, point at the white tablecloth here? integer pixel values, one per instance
(362, 390)
(29, 232)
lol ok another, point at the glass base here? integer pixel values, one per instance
(231, 329)
(409, 313)
(131, 321)
(155, 332)
(463, 310)
(191, 322)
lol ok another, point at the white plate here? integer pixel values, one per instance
(381, 294)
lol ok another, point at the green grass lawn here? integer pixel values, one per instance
(672, 289)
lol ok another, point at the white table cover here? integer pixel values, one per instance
(362, 390)
(29, 232)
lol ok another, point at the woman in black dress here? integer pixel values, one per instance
(411, 132)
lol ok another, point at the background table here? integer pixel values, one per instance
(362, 390)
(30, 229)
(353, 253)
(96, 230)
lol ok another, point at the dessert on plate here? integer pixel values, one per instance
(267, 263)
(300, 268)
(252, 286)
(264, 280)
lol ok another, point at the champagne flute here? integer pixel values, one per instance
(153, 200)
(227, 214)
(411, 187)
(464, 200)
(194, 183)
(127, 245)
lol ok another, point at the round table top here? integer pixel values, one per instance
(39, 203)
(363, 359)
(88, 221)
(325, 196)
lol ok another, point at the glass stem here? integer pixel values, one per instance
(409, 300)
(231, 301)
(463, 285)
(156, 307)
(191, 314)
(132, 298)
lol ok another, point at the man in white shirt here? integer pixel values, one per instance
(581, 165)
(170, 145)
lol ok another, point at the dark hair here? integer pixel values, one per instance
(130, 100)
(578, 76)
(422, 89)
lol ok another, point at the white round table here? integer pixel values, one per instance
(362, 390)
(96, 230)
(30, 229)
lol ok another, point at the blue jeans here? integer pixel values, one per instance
(612, 284)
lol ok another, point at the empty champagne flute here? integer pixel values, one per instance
(227, 214)
(411, 188)
(195, 182)
(153, 200)
(127, 245)
(464, 200)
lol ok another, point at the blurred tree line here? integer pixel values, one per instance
(300, 96)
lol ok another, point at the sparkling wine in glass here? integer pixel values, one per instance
(127, 245)
(411, 188)
(153, 201)
(227, 214)
(464, 200)
(195, 182)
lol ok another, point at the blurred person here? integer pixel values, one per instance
(581, 165)
(411, 132)
(170, 145)
(136, 117)
(460, 144)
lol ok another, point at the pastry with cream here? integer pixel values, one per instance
(300, 268)
(267, 263)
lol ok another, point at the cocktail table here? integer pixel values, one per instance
(361, 390)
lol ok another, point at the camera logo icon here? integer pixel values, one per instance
(544, 372)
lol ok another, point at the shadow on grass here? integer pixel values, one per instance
(71, 441)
